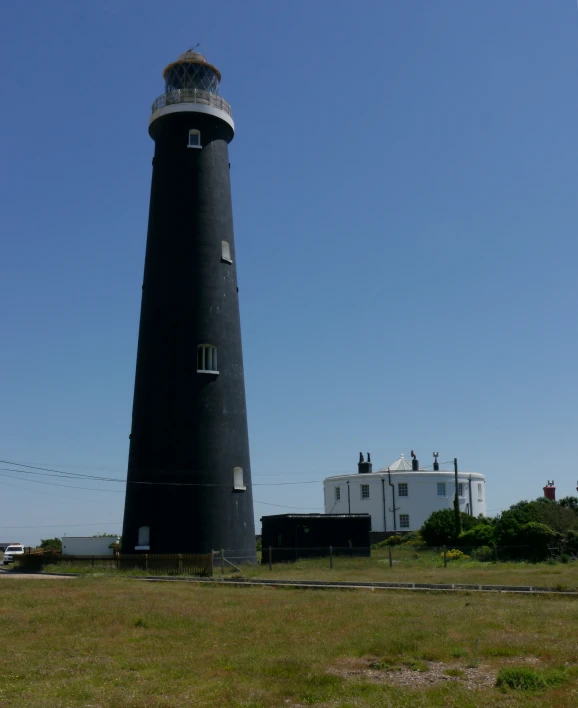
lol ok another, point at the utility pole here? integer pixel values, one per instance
(457, 517)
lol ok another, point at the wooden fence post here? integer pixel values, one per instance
(445, 558)
(222, 562)
(331, 557)
(180, 568)
(390, 558)
(270, 559)
(211, 564)
(146, 561)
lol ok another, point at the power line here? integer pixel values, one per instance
(58, 526)
(282, 506)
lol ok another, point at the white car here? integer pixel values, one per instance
(14, 550)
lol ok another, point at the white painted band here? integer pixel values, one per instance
(192, 108)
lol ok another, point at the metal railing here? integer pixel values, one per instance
(191, 96)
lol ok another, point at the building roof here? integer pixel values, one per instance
(401, 465)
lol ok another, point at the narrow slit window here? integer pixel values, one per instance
(337, 493)
(207, 359)
(460, 489)
(226, 252)
(144, 534)
(480, 492)
(404, 521)
(441, 489)
(238, 479)
(194, 139)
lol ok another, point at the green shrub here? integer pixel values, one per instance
(51, 544)
(483, 553)
(480, 535)
(571, 541)
(455, 554)
(521, 679)
(394, 540)
(564, 558)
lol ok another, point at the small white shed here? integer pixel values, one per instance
(88, 545)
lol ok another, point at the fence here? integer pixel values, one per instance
(171, 564)
(407, 555)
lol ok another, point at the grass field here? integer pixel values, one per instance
(120, 642)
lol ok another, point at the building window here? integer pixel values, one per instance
(238, 479)
(207, 359)
(194, 139)
(404, 521)
(144, 534)
(226, 252)
(460, 489)
(402, 489)
(365, 491)
(441, 489)
(337, 493)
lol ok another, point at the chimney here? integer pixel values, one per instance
(436, 465)
(364, 467)
(414, 462)
(550, 491)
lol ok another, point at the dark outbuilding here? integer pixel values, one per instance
(293, 536)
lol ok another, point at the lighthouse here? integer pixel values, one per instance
(189, 473)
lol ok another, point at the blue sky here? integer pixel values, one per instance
(404, 190)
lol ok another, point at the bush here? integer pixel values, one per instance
(439, 528)
(483, 553)
(538, 536)
(455, 554)
(413, 538)
(521, 679)
(480, 535)
(571, 541)
(51, 544)
(394, 540)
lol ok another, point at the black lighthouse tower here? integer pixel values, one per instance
(189, 478)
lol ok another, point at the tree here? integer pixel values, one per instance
(569, 502)
(51, 544)
(538, 536)
(439, 529)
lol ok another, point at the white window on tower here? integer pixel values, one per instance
(404, 521)
(480, 492)
(144, 534)
(402, 489)
(337, 493)
(238, 479)
(194, 139)
(226, 252)
(365, 491)
(460, 489)
(207, 359)
(441, 489)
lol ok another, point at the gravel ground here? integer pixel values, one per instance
(479, 677)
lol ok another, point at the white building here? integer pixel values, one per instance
(402, 496)
(88, 545)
